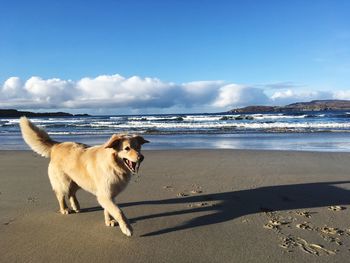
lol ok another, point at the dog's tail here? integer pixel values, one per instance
(37, 139)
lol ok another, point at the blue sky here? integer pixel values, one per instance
(214, 54)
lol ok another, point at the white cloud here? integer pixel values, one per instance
(13, 87)
(109, 92)
(237, 95)
(51, 91)
(342, 95)
(200, 92)
(117, 91)
(289, 96)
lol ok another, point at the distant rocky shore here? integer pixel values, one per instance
(11, 113)
(315, 105)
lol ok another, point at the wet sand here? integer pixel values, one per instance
(187, 206)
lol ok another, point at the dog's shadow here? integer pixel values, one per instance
(226, 206)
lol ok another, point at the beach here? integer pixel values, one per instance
(187, 206)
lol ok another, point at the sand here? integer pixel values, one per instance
(187, 206)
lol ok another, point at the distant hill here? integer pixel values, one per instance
(315, 105)
(10, 113)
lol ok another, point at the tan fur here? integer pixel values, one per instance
(101, 170)
(36, 138)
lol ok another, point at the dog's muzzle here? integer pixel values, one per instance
(134, 166)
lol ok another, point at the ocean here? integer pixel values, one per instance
(304, 131)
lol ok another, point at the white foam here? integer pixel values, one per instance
(201, 118)
(117, 118)
(79, 133)
(218, 125)
(189, 122)
(278, 116)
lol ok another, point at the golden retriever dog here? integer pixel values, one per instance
(102, 170)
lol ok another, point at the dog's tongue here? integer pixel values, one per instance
(132, 165)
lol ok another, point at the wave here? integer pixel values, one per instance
(157, 119)
(204, 118)
(217, 125)
(223, 117)
(277, 116)
(80, 133)
(346, 115)
(201, 123)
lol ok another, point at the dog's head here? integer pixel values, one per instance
(127, 150)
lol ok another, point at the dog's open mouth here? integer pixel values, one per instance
(132, 166)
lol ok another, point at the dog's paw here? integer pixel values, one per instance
(76, 210)
(65, 211)
(111, 223)
(126, 229)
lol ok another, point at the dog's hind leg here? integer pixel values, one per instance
(60, 184)
(72, 197)
(74, 203)
(64, 210)
(114, 210)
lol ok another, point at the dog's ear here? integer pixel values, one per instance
(113, 141)
(140, 139)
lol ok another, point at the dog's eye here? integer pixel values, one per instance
(127, 148)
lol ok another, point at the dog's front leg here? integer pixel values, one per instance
(115, 211)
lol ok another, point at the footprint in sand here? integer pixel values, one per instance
(332, 231)
(271, 226)
(289, 241)
(304, 213)
(32, 199)
(336, 208)
(196, 191)
(8, 222)
(275, 224)
(305, 225)
(310, 248)
(332, 240)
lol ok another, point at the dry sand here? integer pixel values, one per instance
(187, 206)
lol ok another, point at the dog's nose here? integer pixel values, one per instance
(140, 158)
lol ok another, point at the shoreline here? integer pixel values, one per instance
(314, 142)
(179, 150)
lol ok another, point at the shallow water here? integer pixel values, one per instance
(325, 131)
(331, 142)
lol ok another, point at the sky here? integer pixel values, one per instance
(171, 56)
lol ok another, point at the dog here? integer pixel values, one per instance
(102, 170)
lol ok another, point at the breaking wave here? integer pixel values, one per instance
(191, 123)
